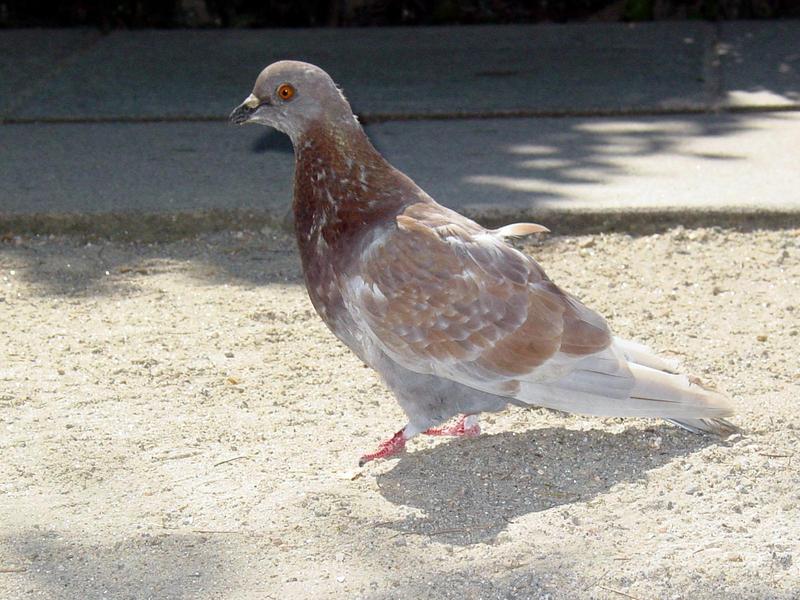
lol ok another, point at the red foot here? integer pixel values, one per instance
(392, 446)
(460, 428)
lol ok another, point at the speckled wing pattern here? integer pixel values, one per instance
(441, 295)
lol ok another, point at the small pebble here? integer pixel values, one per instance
(733, 557)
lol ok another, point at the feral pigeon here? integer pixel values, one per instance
(454, 319)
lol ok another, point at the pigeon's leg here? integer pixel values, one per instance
(392, 446)
(467, 425)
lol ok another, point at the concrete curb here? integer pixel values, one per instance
(161, 227)
(376, 118)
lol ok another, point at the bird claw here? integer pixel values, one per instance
(461, 428)
(390, 447)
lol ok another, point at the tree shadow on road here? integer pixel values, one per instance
(523, 162)
(470, 490)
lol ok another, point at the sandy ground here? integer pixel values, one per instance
(177, 423)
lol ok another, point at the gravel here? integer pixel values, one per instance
(177, 423)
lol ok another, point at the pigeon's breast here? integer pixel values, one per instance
(324, 267)
(340, 200)
(323, 284)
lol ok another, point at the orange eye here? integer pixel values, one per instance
(285, 91)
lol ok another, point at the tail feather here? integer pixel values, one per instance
(689, 395)
(640, 354)
(628, 379)
(720, 427)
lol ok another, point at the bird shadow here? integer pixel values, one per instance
(470, 490)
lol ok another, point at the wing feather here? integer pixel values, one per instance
(451, 299)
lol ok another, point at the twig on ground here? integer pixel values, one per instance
(445, 531)
(595, 581)
(13, 570)
(462, 529)
(180, 456)
(702, 549)
(222, 462)
(671, 351)
(450, 530)
(174, 333)
(621, 593)
(212, 531)
(774, 455)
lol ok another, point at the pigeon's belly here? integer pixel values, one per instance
(429, 400)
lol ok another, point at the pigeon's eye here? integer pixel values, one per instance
(285, 91)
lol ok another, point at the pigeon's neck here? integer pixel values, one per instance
(335, 147)
(343, 186)
(345, 193)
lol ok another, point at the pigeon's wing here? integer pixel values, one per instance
(454, 300)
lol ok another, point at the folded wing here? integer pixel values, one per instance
(443, 296)
(453, 300)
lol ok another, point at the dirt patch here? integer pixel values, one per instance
(177, 423)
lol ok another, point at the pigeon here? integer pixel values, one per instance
(453, 317)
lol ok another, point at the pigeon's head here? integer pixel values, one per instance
(290, 96)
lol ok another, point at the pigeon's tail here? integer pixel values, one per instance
(640, 354)
(629, 380)
(658, 379)
(686, 402)
(720, 427)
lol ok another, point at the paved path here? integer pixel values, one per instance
(741, 161)
(664, 116)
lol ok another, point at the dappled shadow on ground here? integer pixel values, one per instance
(160, 565)
(74, 267)
(497, 478)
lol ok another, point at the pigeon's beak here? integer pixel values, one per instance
(241, 114)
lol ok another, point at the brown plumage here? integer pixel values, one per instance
(453, 318)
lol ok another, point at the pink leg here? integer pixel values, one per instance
(391, 446)
(467, 426)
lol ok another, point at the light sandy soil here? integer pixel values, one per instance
(177, 423)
